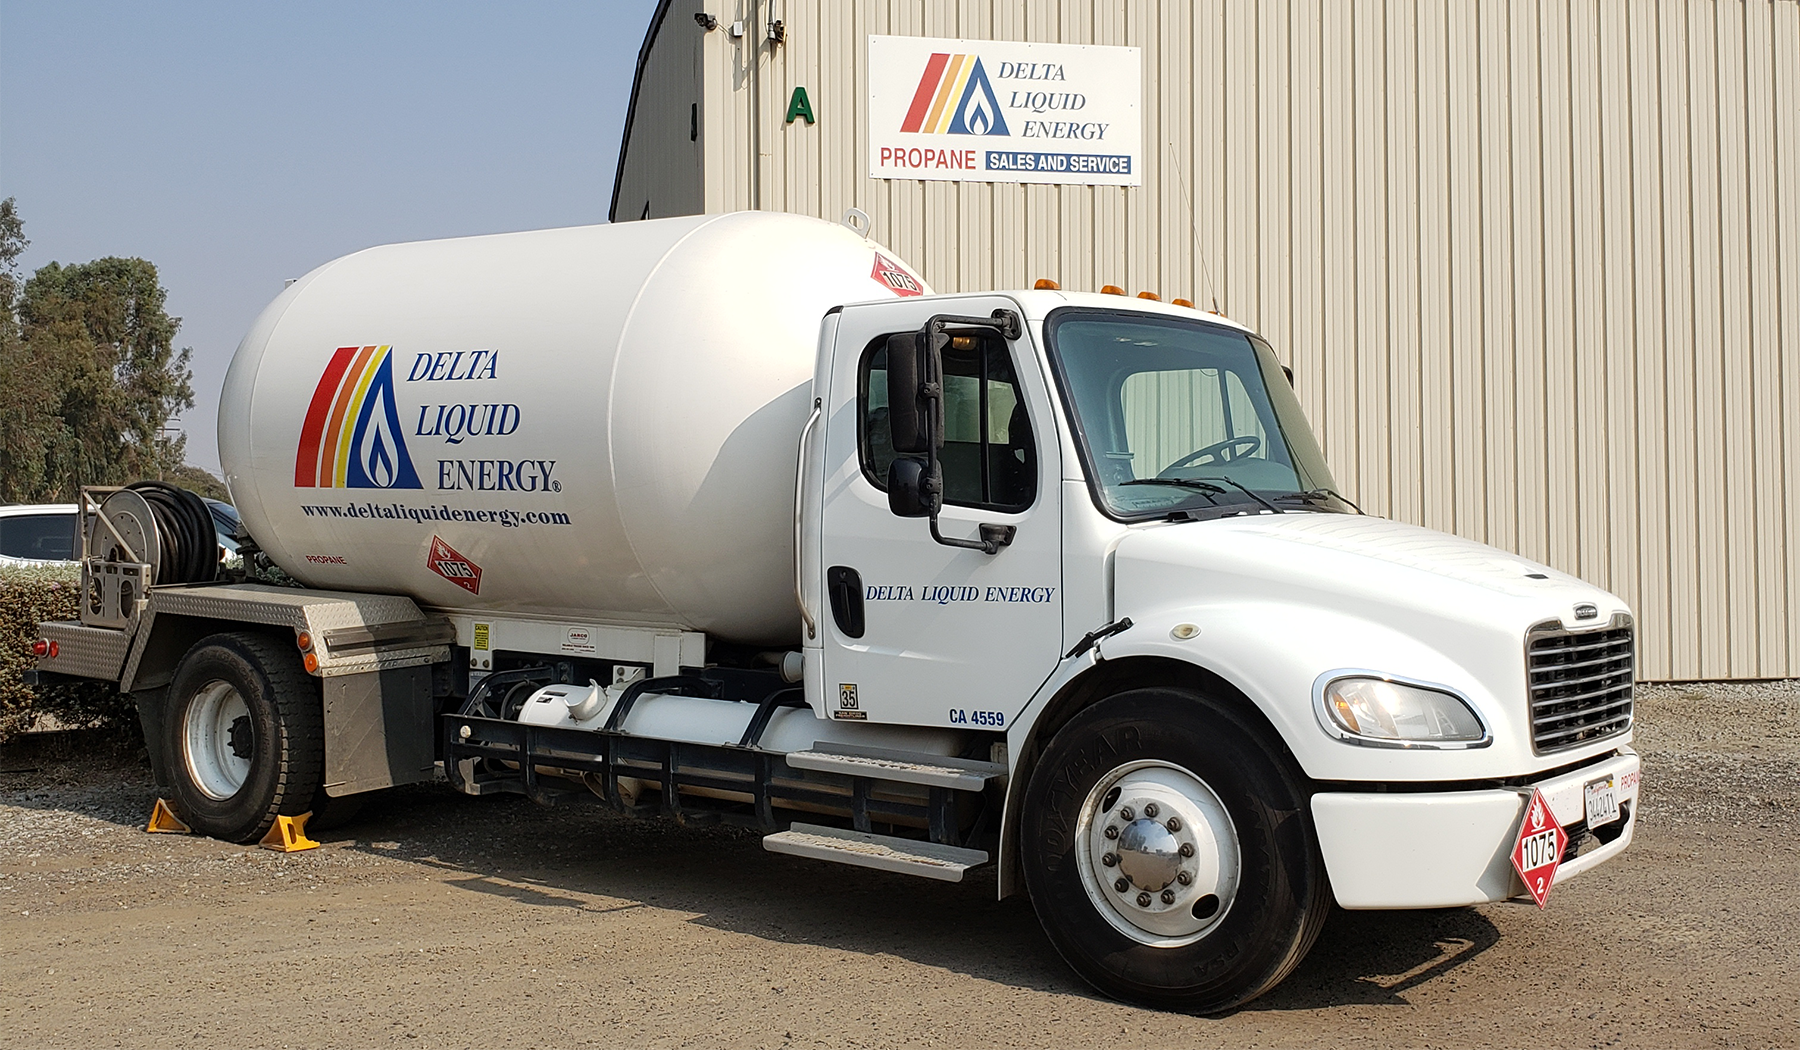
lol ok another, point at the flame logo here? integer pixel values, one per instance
(377, 454)
(1537, 815)
(377, 464)
(978, 112)
(954, 97)
(978, 115)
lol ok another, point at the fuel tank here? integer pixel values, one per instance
(599, 422)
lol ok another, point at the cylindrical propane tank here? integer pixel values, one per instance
(598, 422)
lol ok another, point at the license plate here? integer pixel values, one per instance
(1602, 802)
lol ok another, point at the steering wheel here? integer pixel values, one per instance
(1218, 449)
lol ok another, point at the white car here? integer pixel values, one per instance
(47, 533)
(38, 534)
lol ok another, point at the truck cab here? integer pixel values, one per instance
(1174, 603)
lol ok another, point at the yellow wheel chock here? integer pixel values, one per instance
(163, 818)
(288, 835)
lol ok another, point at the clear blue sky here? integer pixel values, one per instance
(238, 144)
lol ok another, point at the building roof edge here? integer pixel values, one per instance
(637, 80)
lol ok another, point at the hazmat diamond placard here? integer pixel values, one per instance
(1537, 852)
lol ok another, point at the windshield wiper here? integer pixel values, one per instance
(1246, 491)
(1204, 486)
(1322, 493)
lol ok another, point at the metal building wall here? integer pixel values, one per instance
(664, 175)
(1536, 263)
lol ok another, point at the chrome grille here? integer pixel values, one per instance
(1580, 683)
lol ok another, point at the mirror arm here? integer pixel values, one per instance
(1010, 326)
(1006, 322)
(993, 537)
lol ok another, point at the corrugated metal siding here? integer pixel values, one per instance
(1536, 263)
(661, 171)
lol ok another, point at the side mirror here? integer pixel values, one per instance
(915, 488)
(1286, 371)
(915, 378)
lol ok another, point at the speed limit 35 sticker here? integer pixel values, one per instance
(1539, 849)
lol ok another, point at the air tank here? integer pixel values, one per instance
(599, 422)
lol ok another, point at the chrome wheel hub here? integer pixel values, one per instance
(1157, 853)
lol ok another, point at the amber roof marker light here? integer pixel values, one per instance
(1045, 284)
(1111, 289)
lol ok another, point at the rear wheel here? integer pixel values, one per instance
(245, 736)
(1169, 852)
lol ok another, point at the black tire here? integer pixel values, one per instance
(279, 734)
(1281, 896)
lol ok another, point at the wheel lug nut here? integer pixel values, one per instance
(1183, 877)
(1143, 900)
(1174, 823)
(1109, 859)
(1149, 809)
(1187, 849)
(1112, 832)
(1122, 885)
(1125, 813)
(1168, 896)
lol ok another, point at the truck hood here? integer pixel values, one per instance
(1373, 563)
(1284, 602)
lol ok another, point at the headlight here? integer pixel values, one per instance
(1386, 713)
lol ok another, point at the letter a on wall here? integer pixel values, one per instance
(800, 106)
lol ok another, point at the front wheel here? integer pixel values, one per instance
(1169, 853)
(245, 736)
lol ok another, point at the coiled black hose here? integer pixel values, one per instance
(190, 548)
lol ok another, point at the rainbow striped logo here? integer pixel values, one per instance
(351, 437)
(976, 110)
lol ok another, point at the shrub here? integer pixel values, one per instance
(29, 595)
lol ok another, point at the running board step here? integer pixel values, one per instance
(906, 767)
(882, 852)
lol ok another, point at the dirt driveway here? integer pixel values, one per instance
(444, 921)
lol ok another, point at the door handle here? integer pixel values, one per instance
(844, 585)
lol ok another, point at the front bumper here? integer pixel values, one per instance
(1446, 849)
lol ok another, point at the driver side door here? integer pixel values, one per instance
(913, 631)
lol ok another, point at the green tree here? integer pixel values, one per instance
(27, 391)
(199, 481)
(102, 345)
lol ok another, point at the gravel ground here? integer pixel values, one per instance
(491, 922)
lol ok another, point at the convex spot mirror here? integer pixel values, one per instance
(915, 489)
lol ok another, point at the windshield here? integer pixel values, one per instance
(1184, 416)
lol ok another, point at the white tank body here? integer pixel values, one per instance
(598, 422)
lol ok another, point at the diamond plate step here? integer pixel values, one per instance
(882, 852)
(906, 767)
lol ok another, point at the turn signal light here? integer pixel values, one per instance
(1152, 296)
(311, 662)
(42, 648)
(1182, 302)
(1045, 284)
(304, 641)
(1111, 289)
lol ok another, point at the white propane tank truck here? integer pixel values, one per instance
(731, 519)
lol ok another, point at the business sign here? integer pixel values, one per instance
(994, 111)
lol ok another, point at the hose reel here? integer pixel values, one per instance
(145, 534)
